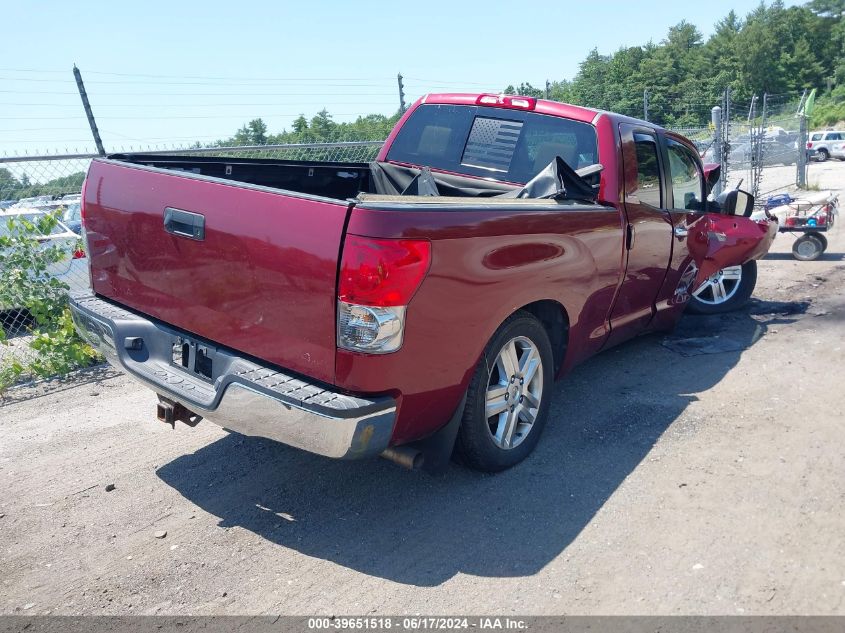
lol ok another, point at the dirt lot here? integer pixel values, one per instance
(669, 480)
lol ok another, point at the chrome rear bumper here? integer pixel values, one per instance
(239, 394)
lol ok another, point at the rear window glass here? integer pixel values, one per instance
(816, 137)
(509, 145)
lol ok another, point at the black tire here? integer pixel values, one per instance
(821, 238)
(823, 155)
(808, 247)
(741, 295)
(475, 446)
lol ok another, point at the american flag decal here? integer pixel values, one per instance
(491, 143)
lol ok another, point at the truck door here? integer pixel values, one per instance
(648, 240)
(702, 243)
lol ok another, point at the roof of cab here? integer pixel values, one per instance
(543, 106)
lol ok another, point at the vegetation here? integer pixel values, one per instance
(775, 49)
(12, 188)
(25, 284)
(320, 129)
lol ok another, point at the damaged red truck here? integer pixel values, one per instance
(407, 307)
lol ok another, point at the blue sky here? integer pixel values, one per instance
(172, 72)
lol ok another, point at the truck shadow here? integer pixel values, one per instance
(410, 528)
(824, 257)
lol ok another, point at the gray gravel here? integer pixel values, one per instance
(665, 483)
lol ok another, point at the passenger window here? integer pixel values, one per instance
(649, 190)
(687, 179)
(836, 136)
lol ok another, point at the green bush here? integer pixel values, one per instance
(829, 110)
(25, 258)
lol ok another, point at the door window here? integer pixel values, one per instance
(648, 190)
(687, 179)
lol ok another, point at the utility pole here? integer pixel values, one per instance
(549, 89)
(401, 94)
(88, 113)
(645, 105)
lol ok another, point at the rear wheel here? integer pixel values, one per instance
(508, 397)
(729, 289)
(808, 247)
(821, 238)
(823, 155)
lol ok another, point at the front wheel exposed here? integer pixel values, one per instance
(726, 290)
(508, 397)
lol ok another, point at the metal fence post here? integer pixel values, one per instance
(88, 112)
(716, 119)
(726, 138)
(801, 176)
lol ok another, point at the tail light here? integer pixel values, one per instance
(508, 101)
(378, 278)
(809, 145)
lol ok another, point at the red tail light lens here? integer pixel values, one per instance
(382, 272)
(809, 145)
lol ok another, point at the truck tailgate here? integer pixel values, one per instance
(261, 280)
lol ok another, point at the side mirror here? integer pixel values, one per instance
(734, 202)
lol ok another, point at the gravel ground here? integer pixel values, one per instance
(669, 480)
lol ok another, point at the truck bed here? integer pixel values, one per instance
(338, 181)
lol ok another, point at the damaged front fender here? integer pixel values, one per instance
(719, 241)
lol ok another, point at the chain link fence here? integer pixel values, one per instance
(41, 251)
(760, 144)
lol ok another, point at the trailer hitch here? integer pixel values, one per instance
(169, 412)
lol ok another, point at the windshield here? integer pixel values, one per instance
(505, 144)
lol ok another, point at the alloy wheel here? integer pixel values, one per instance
(514, 392)
(720, 286)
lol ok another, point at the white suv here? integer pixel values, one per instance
(822, 142)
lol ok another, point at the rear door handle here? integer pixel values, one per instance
(681, 231)
(184, 223)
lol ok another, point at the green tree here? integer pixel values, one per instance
(253, 133)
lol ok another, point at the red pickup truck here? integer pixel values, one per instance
(407, 307)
